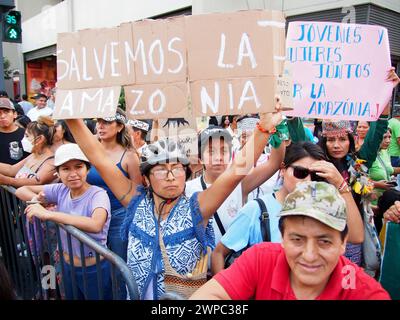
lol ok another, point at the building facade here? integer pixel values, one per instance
(43, 19)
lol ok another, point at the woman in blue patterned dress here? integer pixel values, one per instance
(161, 208)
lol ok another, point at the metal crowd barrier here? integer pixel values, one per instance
(33, 255)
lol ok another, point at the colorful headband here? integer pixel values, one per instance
(335, 128)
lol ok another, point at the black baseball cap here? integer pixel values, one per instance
(39, 95)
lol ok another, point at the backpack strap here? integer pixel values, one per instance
(216, 216)
(264, 221)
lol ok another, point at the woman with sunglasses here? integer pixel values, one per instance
(303, 161)
(38, 167)
(161, 210)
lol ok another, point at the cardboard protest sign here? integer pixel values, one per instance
(159, 51)
(285, 87)
(339, 70)
(181, 130)
(235, 57)
(155, 101)
(94, 58)
(233, 96)
(233, 45)
(231, 61)
(84, 103)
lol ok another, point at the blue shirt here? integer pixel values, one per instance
(94, 179)
(246, 230)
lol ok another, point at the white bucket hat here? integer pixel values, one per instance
(67, 152)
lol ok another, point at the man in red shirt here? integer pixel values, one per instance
(308, 265)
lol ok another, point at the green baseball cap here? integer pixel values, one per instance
(317, 200)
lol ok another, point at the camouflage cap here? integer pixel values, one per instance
(317, 200)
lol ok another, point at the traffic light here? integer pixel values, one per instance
(12, 27)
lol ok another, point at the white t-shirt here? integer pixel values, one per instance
(26, 106)
(228, 209)
(35, 113)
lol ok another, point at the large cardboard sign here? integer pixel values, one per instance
(182, 130)
(220, 63)
(233, 61)
(154, 101)
(339, 70)
(95, 58)
(86, 103)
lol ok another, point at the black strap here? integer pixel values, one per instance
(264, 221)
(216, 216)
(38, 168)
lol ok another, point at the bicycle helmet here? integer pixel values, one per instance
(160, 152)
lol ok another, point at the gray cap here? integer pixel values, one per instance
(6, 103)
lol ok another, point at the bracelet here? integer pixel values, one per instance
(272, 131)
(346, 189)
(342, 185)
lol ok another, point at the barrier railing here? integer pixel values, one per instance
(40, 258)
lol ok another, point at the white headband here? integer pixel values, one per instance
(139, 125)
(117, 116)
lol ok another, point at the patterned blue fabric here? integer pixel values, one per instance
(183, 233)
(354, 253)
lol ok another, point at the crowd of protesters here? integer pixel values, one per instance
(294, 207)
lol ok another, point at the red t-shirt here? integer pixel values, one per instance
(262, 273)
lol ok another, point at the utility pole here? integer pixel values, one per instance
(5, 6)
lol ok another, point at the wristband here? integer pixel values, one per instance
(273, 130)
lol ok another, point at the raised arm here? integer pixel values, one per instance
(132, 166)
(355, 224)
(370, 147)
(123, 188)
(372, 141)
(211, 198)
(263, 172)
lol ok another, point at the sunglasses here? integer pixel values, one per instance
(302, 173)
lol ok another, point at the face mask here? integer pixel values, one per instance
(26, 145)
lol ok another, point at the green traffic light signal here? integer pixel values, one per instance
(12, 27)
